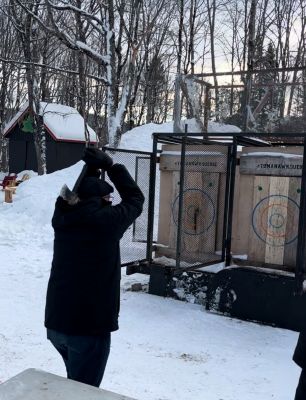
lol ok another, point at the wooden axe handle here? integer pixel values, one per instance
(80, 178)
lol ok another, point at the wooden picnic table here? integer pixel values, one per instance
(10, 187)
(9, 180)
(33, 384)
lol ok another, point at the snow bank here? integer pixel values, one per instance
(140, 138)
(34, 199)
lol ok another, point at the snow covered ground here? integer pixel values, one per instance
(164, 350)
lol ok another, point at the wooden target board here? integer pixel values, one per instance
(202, 202)
(274, 223)
(271, 210)
(199, 215)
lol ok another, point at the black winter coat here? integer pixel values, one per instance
(299, 355)
(84, 287)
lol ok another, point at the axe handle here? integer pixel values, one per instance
(82, 175)
(80, 178)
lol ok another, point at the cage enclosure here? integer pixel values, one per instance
(201, 211)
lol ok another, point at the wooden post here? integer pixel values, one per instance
(177, 106)
(207, 107)
(8, 194)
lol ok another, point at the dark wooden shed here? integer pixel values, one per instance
(65, 139)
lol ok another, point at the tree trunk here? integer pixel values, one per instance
(211, 8)
(177, 94)
(251, 49)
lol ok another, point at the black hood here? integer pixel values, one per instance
(66, 215)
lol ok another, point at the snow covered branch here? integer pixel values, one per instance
(91, 18)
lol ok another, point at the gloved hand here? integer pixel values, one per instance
(96, 158)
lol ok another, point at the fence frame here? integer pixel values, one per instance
(150, 156)
(232, 140)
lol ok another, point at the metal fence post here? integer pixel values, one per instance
(226, 200)
(151, 201)
(301, 253)
(228, 255)
(181, 194)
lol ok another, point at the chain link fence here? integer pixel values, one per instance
(134, 242)
(202, 208)
(193, 188)
(237, 197)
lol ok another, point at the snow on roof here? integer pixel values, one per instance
(271, 154)
(16, 118)
(64, 123)
(192, 153)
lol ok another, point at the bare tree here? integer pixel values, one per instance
(177, 99)
(212, 9)
(8, 90)
(29, 35)
(117, 58)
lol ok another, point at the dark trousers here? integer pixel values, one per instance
(300, 393)
(85, 357)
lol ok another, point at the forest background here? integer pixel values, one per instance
(116, 61)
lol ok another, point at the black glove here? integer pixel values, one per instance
(96, 158)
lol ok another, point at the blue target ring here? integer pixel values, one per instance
(277, 222)
(207, 217)
(273, 220)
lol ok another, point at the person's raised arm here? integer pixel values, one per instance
(131, 205)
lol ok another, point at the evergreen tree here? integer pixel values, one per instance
(156, 83)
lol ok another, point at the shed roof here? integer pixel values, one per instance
(62, 122)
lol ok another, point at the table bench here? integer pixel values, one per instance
(33, 384)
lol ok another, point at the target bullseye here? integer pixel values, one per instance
(271, 220)
(277, 220)
(198, 214)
